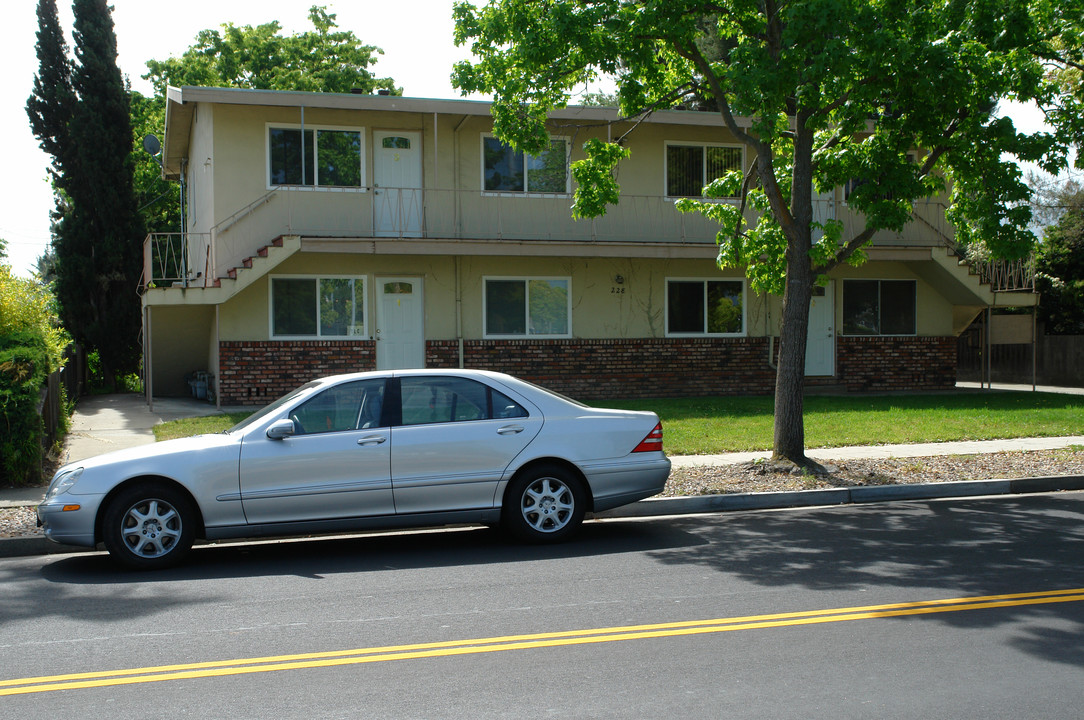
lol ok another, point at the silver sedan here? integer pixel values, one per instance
(364, 451)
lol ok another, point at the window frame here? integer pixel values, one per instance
(449, 383)
(527, 335)
(880, 302)
(299, 413)
(316, 129)
(362, 335)
(704, 285)
(526, 192)
(703, 168)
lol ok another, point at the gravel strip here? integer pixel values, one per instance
(759, 477)
(19, 522)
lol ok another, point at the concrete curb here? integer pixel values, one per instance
(702, 504)
(842, 496)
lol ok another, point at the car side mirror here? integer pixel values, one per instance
(281, 429)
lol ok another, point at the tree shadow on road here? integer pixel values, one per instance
(934, 549)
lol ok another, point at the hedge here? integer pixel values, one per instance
(24, 366)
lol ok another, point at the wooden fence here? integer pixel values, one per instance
(1056, 359)
(72, 378)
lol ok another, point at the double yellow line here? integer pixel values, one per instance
(162, 673)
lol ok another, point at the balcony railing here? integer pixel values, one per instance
(1008, 275)
(169, 260)
(198, 259)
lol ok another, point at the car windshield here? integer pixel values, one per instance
(272, 408)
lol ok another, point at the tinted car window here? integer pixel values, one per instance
(505, 407)
(448, 399)
(344, 407)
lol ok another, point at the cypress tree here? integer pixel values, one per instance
(97, 234)
(50, 106)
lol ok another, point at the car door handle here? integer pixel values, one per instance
(510, 430)
(372, 440)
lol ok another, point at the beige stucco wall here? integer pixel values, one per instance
(228, 173)
(247, 315)
(601, 307)
(933, 311)
(201, 165)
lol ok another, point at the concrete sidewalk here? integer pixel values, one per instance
(967, 447)
(112, 422)
(104, 423)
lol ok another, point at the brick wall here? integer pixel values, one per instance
(869, 364)
(599, 369)
(255, 373)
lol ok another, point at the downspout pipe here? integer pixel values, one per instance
(218, 360)
(148, 364)
(459, 308)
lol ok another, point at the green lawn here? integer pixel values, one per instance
(695, 426)
(734, 424)
(197, 426)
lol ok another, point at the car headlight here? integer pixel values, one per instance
(63, 482)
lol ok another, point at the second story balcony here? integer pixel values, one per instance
(197, 259)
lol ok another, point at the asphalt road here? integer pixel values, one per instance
(968, 608)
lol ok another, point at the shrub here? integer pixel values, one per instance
(24, 365)
(98, 384)
(31, 346)
(28, 305)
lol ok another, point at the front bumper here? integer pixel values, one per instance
(69, 519)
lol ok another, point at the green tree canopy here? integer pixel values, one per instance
(323, 59)
(1060, 263)
(822, 92)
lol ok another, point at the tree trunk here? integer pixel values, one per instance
(789, 443)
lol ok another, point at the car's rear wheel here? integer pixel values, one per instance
(544, 503)
(149, 526)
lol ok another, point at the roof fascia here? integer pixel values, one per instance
(396, 103)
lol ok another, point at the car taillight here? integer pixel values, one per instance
(653, 441)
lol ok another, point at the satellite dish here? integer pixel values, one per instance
(152, 145)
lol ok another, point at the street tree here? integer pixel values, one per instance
(823, 92)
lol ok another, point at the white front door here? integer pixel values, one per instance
(397, 184)
(400, 323)
(820, 344)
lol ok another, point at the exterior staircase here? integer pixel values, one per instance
(236, 279)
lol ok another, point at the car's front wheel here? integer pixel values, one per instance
(149, 526)
(544, 503)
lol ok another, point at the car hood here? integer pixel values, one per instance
(156, 452)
